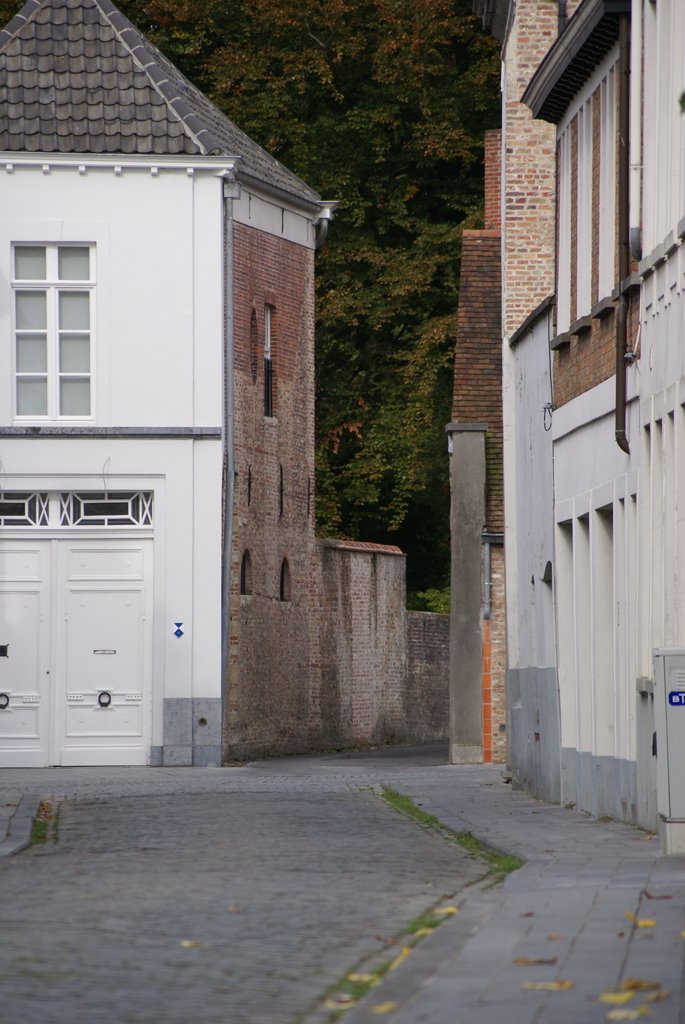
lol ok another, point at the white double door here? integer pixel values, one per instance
(75, 651)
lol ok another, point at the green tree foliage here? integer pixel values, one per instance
(380, 104)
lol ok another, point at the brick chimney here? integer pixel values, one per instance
(493, 180)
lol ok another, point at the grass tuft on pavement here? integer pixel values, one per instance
(499, 864)
(44, 827)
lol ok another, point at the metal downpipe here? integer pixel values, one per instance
(623, 232)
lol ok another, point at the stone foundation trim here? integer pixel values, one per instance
(672, 836)
(460, 754)
(601, 786)
(192, 733)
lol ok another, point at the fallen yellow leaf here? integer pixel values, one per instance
(191, 944)
(642, 1011)
(548, 986)
(384, 1007)
(423, 931)
(400, 958)
(640, 922)
(616, 998)
(553, 936)
(534, 961)
(682, 935)
(361, 977)
(232, 909)
(447, 910)
(639, 985)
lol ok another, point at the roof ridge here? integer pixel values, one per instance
(137, 45)
(20, 19)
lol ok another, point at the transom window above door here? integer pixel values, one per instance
(53, 291)
(53, 509)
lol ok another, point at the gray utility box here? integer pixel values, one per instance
(669, 715)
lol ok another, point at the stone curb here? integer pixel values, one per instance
(20, 825)
(406, 985)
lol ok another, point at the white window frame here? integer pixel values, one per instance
(584, 212)
(268, 363)
(52, 286)
(564, 251)
(607, 186)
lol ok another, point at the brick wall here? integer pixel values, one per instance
(426, 692)
(272, 642)
(477, 395)
(383, 670)
(363, 644)
(492, 207)
(529, 207)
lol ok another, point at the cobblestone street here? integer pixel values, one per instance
(223, 896)
(205, 897)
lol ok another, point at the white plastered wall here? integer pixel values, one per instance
(158, 364)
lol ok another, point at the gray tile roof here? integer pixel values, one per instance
(77, 77)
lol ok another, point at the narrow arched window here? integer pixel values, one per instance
(284, 586)
(249, 485)
(254, 347)
(268, 364)
(246, 574)
(280, 492)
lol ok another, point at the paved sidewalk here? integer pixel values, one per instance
(580, 899)
(596, 898)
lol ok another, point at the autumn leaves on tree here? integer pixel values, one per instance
(381, 105)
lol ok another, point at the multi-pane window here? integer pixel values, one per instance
(268, 365)
(586, 185)
(53, 288)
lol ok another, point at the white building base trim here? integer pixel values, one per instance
(672, 836)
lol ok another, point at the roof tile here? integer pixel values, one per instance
(77, 77)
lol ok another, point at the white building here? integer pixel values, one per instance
(120, 186)
(602, 79)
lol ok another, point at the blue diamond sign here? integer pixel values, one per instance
(178, 632)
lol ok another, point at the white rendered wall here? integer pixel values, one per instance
(598, 573)
(531, 501)
(158, 291)
(159, 341)
(186, 531)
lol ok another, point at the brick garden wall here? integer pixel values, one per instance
(426, 692)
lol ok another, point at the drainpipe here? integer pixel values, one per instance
(623, 231)
(323, 220)
(489, 538)
(561, 25)
(635, 129)
(487, 581)
(231, 191)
